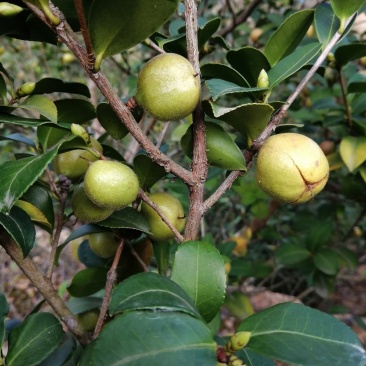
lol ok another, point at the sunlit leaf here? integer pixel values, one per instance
(353, 151)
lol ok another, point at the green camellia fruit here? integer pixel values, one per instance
(84, 209)
(111, 184)
(74, 163)
(104, 244)
(88, 319)
(167, 87)
(171, 208)
(291, 168)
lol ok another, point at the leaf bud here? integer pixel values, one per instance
(9, 10)
(238, 341)
(26, 89)
(263, 79)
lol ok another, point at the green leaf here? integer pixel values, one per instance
(154, 338)
(81, 304)
(223, 72)
(248, 119)
(253, 359)
(292, 63)
(244, 268)
(327, 261)
(17, 176)
(127, 218)
(319, 234)
(20, 227)
(353, 151)
(349, 52)
(3, 88)
(35, 214)
(117, 26)
(150, 291)
(347, 257)
(147, 171)
(280, 332)
(74, 111)
(288, 36)
(323, 284)
(222, 151)
(33, 340)
(110, 121)
(52, 85)
(27, 122)
(4, 309)
(88, 281)
(249, 62)
(88, 257)
(326, 23)
(199, 269)
(290, 254)
(344, 9)
(42, 105)
(49, 136)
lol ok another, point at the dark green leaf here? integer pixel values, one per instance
(290, 254)
(347, 257)
(288, 36)
(17, 176)
(327, 261)
(244, 268)
(162, 255)
(150, 291)
(27, 122)
(52, 85)
(88, 257)
(32, 341)
(344, 9)
(318, 235)
(87, 282)
(349, 52)
(356, 87)
(4, 309)
(3, 88)
(20, 227)
(326, 23)
(323, 284)
(155, 338)
(82, 304)
(199, 269)
(118, 26)
(147, 171)
(110, 121)
(253, 359)
(282, 331)
(19, 138)
(74, 111)
(249, 62)
(223, 72)
(292, 63)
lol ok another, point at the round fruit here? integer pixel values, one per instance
(291, 168)
(328, 146)
(255, 34)
(84, 209)
(111, 184)
(88, 319)
(104, 244)
(171, 208)
(167, 87)
(74, 163)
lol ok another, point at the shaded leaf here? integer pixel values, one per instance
(327, 261)
(19, 138)
(157, 338)
(35, 214)
(353, 151)
(318, 235)
(82, 304)
(280, 332)
(53, 85)
(349, 52)
(326, 23)
(110, 121)
(74, 111)
(323, 284)
(88, 257)
(290, 254)
(27, 122)
(287, 37)
(87, 282)
(199, 269)
(4, 309)
(347, 257)
(147, 171)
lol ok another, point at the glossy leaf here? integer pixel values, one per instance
(150, 291)
(20, 227)
(42, 332)
(253, 359)
(249, 62)
(53, 85)
(221, 150)
(17, 176)
(223, 72)
(117, 26)
(41, 104)
(110, 121)
(4, 309)
(280, 332)
(74, 111)
(147, 171)
(318, 235)
(87, 282)
(199, 269)
(155, 338)
(326, 23)
(287, 37)
(248, 119)
(87, 257)
(82, 304)
(35, 214)
(27, 122)
(327, 261)
(353, 151)
(344, 9)
(292, 63)
(349, 52)
(290, 254)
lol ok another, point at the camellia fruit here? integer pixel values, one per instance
(111, 184)
(291, 168)
(88, 319)
(86, 210)
(74, 163)
(104, 244)
(167, 87)
(171, 208)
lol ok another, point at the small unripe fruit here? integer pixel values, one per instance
(74, 163)
(26, 89)
(167, 87)
(255, 34)
(9, 10)
(104, 244)
(111, 184)
(171, 208)
(291, 168)
(237, 341)
(86, 210)
(88, 319)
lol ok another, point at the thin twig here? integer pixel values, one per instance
(153, 205)
(111, 279)
(344, 97)
(137, 256)
(162, 135)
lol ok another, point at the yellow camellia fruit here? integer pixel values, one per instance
(167, 87)
(104, 244)
(291, 168)
(111, 184)
(74, 163)
(171, 208)
(86, 210)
